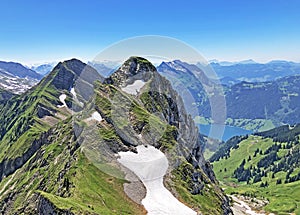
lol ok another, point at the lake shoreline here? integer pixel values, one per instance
(222, 132)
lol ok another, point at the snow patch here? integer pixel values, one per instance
(72, 91)
(95, 116)
(177, 66)
(134, 88)
(150, 165)
(62, 99)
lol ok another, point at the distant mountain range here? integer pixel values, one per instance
(251, 71)
(43, 69)
(278, 100)
(229, 63)
(104, 68)
(229, 73)
(278, 97)
(16, 78)
(18, 70)
(254, 106)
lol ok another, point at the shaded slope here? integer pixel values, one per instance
(4, 96)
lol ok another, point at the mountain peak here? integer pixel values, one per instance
(135, 68)
(136, 64)
(65, 73)
(249, 61)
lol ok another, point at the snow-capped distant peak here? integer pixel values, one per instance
(176, 65)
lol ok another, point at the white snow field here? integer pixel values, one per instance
(150, 165)
(62, 98)
(134, 88)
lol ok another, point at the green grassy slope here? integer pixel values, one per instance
(55, 168)
(63, 175)
(265, 166)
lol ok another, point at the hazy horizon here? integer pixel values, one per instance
(32, 64)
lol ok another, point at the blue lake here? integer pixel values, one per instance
(222, 132)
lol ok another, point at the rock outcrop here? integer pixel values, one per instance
(9, 166)
(45, 207)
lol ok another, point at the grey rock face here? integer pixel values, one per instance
(5, 95)
(45, 207)
(8, 167)
(135, 68)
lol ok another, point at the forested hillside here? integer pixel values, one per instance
(264, 165)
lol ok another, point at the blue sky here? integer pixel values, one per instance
(40, 31)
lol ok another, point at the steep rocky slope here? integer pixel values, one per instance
(60, 139)
(4, 96)
(190, 82)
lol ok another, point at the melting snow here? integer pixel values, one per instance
(62, 98)
(244, 207)
(150, 165)
(95, 116)
(73, 92)
(134, 88)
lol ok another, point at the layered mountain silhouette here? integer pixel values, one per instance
(19, 70)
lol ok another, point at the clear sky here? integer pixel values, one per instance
(41, 31)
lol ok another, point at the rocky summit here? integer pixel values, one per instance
(59, 143)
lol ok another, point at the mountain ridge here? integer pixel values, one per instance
(64, 143)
